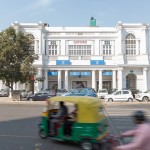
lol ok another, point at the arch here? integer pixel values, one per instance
(130, 36)
(31, 36)
(131, 80)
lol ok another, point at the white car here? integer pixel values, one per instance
(145, 96)
(102, 93)
(120, 95)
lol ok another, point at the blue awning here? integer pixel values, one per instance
(107, 73)
(63, 62)
(80, 73)
(97, 62)
(53, 73)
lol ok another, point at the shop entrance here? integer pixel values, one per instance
(106, 85)
(131, 81)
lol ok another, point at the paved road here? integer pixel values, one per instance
(19, 128)
(19, 124)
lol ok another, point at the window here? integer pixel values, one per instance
(107, 47)
(32, 44)
(118, 93)
(125, 92)
(79, 49)
(52, 47)
(130, 44)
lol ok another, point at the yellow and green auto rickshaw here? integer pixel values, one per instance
(89, 128)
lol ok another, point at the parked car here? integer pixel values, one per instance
(102, 93)
(120, 95)
(144, 96)
(4, 93)
(40, 96)
(60, 92)
(81, 92)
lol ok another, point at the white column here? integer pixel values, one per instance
(59, 79)
(93, 48)
(40, 42)
(144, 42)
(137, 47)
(17, 84)
(100, 47)
(96, 47)
(100, 80)
(43, 46)
(144, 79)
(93, 80)
(66, 80)
(119, 40)
(64, 47)
(46, 79)
(120, 78)
(39, 75)
(14, 86)
(113, 47)
(114, 79)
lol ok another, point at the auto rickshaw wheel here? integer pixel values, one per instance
(87, 145)
(42, 134)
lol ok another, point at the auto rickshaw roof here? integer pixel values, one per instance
(89, 108)
(80, 100)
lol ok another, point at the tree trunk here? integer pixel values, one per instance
(11, 89)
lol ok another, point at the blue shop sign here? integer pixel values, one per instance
(63, 62)
(53, 73)
(97, 62)
(107, 73)
(80, 73)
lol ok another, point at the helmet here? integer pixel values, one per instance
(139, 116)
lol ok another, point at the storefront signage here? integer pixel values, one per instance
(52, 73)
(80, 42)
(63, 62)
(107, 73)
(80, 73)
(97, 62)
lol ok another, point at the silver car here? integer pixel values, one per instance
(4, 93)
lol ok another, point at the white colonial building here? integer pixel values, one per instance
(93, 56)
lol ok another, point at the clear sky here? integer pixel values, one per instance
(74, 12)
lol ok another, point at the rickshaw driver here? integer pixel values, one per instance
(63, 112)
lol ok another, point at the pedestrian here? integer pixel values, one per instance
(141, 134)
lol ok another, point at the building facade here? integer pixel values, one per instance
(93, 56)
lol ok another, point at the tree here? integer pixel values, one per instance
(16, 57)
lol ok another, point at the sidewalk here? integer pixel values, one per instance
(5, 99)
(9, 100)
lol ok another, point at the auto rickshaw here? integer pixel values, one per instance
(90, 127)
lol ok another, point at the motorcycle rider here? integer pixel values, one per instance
(141, 134)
